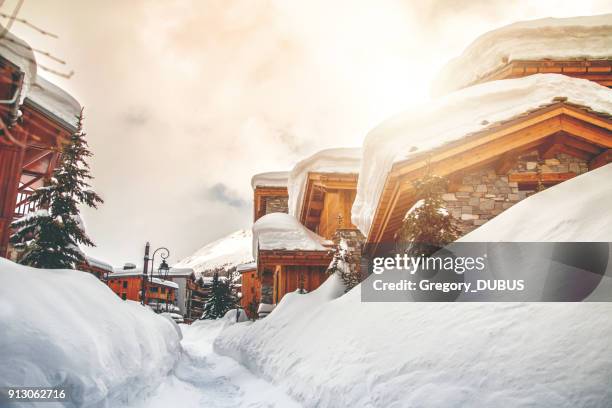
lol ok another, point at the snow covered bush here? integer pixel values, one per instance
(66, 328)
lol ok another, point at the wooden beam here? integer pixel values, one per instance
(601, 160)
(506, 163)
(546, 178)
(576, 143)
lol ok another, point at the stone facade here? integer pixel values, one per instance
(277, 204)
(483, 194)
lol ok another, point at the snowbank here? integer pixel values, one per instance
(64, 327)
(575, 38)
(340, 160)
(270, 179)
(55, 100)
(329, 350)
(227, 253)
(344, 353)
(454, 116)
(277, 231)
(575, 210)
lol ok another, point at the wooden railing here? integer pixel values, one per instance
(24, 205)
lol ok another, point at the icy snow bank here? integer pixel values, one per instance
(270, 179)
(227, 252)
(340, 160)
(282, 231)
(454, 116)
(344, 353)
(63, 327)
(575, 38)
(575, 210)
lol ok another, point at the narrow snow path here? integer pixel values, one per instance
(205, 379)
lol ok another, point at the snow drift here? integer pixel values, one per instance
(225, 253)
(455, 116)
(270, 179)
(328, 350)
(66, 328)
(282, 231)
(575, 38)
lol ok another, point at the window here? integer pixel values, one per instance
(124, 296)
(163, 290)
(153, 289)
(125, 284)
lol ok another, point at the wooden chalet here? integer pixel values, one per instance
(250, 288)
(160, 294)
(96, 267)
(492, 168)
(270, 193)
(36, 118)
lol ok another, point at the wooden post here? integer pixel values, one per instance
(11, 158)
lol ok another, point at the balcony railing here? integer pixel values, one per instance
(24, 205)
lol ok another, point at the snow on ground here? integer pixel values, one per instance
(339, 160)
(282, 231)
(205, 379)
(227, 253)
(574, 38)
(454, 116)
(584, 203)
(270, 179)
(331, 351)
(64, 327)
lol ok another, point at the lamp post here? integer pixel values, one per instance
(161, 271)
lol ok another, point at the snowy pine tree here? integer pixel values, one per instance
(428, 226)
(341, 264)
(50, 237)
(220, 301)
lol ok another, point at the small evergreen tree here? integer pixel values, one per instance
(50, 237)
(341, 264)
(220, 301)
(428, 226)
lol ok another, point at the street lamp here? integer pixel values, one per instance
(163, 268)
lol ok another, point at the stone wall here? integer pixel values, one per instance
(277, 204)
(483, 194)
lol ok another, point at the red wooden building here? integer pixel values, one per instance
(36, 118)
(128, 285)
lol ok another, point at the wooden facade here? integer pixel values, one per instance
(558, 127)
(262, 197)
(30, 147)
(328, 199)
(251, 290)
(596, 70)
(285, 271)
(129, 286)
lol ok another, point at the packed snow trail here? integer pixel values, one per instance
(203, 378)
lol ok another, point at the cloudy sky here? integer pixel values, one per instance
(186, 100)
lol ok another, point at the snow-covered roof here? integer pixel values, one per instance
(18, 52)
(246, 267)
(227, 252)
(136, 273)
(99, 264)
(280, 231)
(55, 101)
(575, 210)
(339, 161)
(454, 116)
(573, 38)
(270, 179)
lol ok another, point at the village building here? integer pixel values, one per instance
(36, 119)
(160, 294)
(250, 288)
(497, 142)
(100, 269)
(269, 193)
